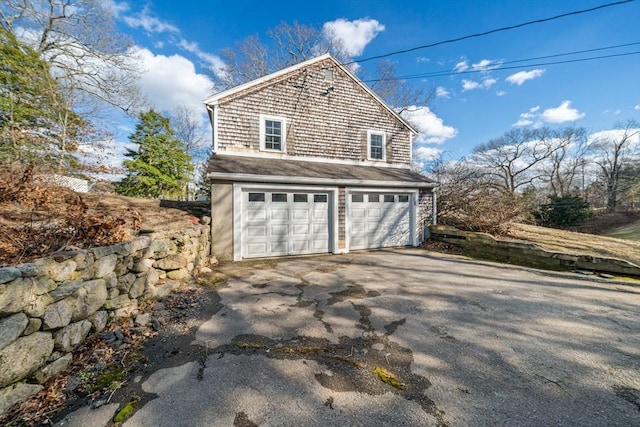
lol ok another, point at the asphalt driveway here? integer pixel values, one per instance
(295, 342)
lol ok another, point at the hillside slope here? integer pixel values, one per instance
(571, 242)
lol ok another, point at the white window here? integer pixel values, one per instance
(273, 133)
(376, 145)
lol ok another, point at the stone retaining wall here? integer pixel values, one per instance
(481, 245)
(49, 306)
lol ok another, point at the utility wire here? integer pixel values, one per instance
(510, 27)
(499, 65)
(453, 73)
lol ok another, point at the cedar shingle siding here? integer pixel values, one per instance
(320, 122)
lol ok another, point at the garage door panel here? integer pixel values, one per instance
(357, 213)
(279, 223)
(301, 214)
(317, 229)
(320, 213)
(300, 246)
(259, 214)
(279, 229)
(257, 231)
(256, 248)
(300, 229)
(279, 212)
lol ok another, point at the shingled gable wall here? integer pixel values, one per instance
(320, 122)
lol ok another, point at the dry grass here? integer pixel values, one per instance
(571, 242)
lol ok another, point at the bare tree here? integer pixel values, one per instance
(567, 148)
(612, 154)
(396, 92)
(290, 44)
(515, 160)
(78, 38)
(187, 129)
(469, 200)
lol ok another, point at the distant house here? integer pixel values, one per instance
(310, 160)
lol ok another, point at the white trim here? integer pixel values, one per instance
(413, 201)
(237, 221)
(384, 145)
(284, 156)
(215, 98)
(283, 136)
(239, 188)
(278, 179)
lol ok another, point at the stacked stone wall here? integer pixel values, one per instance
(49, 306)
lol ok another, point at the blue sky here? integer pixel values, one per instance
(180, 40)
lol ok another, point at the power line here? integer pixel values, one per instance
(510, 27)
(540, 64)
(499, 66)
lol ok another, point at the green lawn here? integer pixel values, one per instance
(629, 232)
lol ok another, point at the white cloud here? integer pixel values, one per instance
(423, 155)
(523, 122)
(637, 107)
(461, 66)
(355, 35)
(561, 114)
(149, 23)
(484, 84)
(170, 81)
(431, 128)
(485, 65)
(522, 76)
(115, 7)
(488, 82)
(214, 62)
(616, 135)
(441, 92)
(469, 85)
(501, 93)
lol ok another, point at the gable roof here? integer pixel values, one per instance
(215, 98)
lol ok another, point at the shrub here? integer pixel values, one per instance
(562, 212)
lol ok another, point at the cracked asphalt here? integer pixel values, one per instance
(293, 342)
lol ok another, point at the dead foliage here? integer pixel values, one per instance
(37, 219)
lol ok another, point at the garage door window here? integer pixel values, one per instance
(300, 198)
(256, 197)
(389, 198)
(279, 197)
(357, 198)
(403, 198)
(374, 197)
(320, 198)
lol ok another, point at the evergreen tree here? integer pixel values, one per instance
(565, 211)
(160, 167)
(35, 120)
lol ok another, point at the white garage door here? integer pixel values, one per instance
(378, 220)
(278, 223)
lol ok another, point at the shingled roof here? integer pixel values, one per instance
(272, 170)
